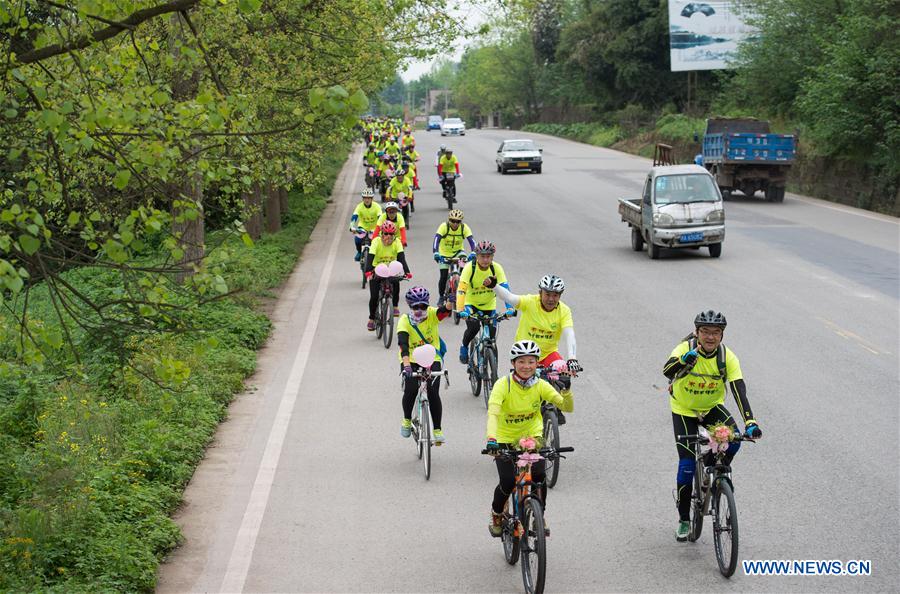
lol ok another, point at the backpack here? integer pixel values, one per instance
(720, 360)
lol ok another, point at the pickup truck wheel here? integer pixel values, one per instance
(537, 169)
(503, 170)
(653, 250)
(779, 195)
(715, 250)
(637, 242)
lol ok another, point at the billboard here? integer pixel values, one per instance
(705, 35)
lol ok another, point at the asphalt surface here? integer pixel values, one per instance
(811, 293)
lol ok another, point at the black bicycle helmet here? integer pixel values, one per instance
(710, 318)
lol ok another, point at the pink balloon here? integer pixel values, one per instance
(395, 268)
(558, 366)
(361, 234)
(382, 270)
(424, 355)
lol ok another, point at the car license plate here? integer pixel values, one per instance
(522, 164)
(687, 237)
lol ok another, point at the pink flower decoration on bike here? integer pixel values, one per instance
(361, 234)
(528, 458)
(527, 443)
(395, 268)
(719, 438)
(382, 270)
(558, 366)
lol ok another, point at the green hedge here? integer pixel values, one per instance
(93, 463)
(592, 133)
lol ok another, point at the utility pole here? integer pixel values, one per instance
(445, 103)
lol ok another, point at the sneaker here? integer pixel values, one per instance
(464, 354)
(681, 533)
(439, 437)
(495, 527)
(357, 257)
(396, 312)
(371, 326)
(405, 428)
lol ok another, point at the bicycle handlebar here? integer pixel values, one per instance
(694, 437)
(514, 454)
(481, 317)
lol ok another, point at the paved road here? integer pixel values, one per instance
(310, 488)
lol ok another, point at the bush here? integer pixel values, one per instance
(92, 466)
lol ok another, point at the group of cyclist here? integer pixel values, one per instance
(699, 368)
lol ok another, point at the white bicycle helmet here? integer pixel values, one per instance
(524, 348)
(552, 283)
(391, 204)
(368, 193)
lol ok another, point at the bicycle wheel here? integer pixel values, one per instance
(426, 440)
(490, 374)
(379, 326)
(551, 439)
(697, 503)
(725, 528)
(362, 267)
(474, 378)
(534, 557)
(387, 321)
(416, 428)
(510, 540)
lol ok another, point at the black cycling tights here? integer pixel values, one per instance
(685, 425)
(442, 281)
(506, 469)
(474, 326)
(375, 293)
(411, 389)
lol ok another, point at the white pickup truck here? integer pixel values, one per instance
(681, 207)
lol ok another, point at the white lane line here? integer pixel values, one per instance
(242, 552)
(846, 209)
(848, 335)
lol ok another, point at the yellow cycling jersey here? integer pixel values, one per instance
(541, 326)
(471, 289)
(448, 164)
(392, 148)
(399, 221)
(702, 388)
(385, 254)
(514, 412)
(429, 330)
(400, 184)
(452, 240)
(367, 218)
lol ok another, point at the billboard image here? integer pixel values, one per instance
(705, 35)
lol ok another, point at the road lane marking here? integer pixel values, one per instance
(846, 209)
(242, 552)
(847, 334)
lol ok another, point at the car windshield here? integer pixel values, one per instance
(434, 118)
(453, 121)
(671, 189)
(519, 145)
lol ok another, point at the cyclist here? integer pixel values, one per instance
(473, 296)
(448, 240)
(545, 319)
(418, 327)
(402, 183)
(447, 164)
(364, 216)
(392, 214)
(370, 157)
(392, 148)
(698, 370)
(439, 154)
(384, 251)
(514, 412)
(413, 155)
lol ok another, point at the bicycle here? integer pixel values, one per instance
(714, 496)
(405, 204)
(523, 532)
(448, 183)
(421, 418)
(456, 263)
(552, 419)
(482, 364)
(384, 313)
(366, 237)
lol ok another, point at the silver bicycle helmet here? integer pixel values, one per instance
(552, 283)
(524, 348)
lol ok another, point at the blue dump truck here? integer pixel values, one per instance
(741, 154)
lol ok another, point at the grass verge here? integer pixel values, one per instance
(93, 463)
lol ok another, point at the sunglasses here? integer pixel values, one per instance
(455, 222)
(387, 234)
(419, 306)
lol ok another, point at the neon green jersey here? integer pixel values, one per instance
(702, 388)
(448, 164)
(399, 221)
(367, 218)
(392, 148)
(400, 184)
(452, 240)
(384, 254)
(428, 328)
(514, 412)
(471, 289)
(541, 326)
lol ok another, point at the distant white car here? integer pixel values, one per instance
(453, 127)
(519, 154)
